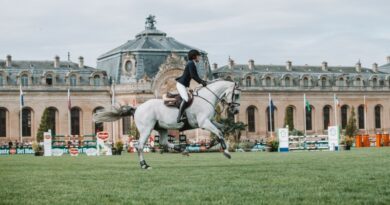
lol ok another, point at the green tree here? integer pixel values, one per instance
(45, 125)
(288, 119)
(351, 128)
(134, 130)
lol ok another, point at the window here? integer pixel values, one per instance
(344, 116)
(287, 81)
(49, 80)
(126, 125)
(289, 118)
(73, 80)
(272, 120)
(358, 82)
(248, 81)
(24, 80)
(98, 125)
(75, 121)
(26, 122)
(1, 80)
(268, 81)
(3, 122)
(229, 78)
(374, 82)
(341, 82)
(251, 119)
(96, 80)
(309, 120)
(323, 82)
(305, 82)
(326, 116)
(361, 117)
(378, 117)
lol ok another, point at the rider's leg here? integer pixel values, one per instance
(183, 93)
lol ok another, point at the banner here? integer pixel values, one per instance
(283, 139)
(333, 138)
(47, 143)
(103, 145)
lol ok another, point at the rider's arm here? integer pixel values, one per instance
(194, 74)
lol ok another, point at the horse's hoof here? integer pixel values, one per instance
(185, 153)
(227, 154)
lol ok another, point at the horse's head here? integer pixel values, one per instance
(232, 98)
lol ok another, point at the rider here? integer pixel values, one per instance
(183, 82)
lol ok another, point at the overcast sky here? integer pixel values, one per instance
(269, 31)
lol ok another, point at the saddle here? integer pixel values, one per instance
(174, 99)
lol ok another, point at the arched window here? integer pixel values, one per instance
(287, 81)
(309, 120)
(3, 122)
(305, 82)
(248, 81)
(1, 80)
(361, 116)
(358, 82)
(26, 122)
(378, 117)
(24, 80)
(374, 82)
(268, 81)
(73, 80)
(326, 116)
(98, 125)
(52, 112)
(75, 121)
(96, 80)
(341, 82)
(126, 125)
(323, 82)
(229, 78)
(251, 119)
(49, 80)
(269, 120)
(344, 116)
(289, 118)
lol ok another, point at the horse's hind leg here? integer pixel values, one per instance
(144, 135)
(164, 142)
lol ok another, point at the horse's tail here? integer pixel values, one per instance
(114, 114)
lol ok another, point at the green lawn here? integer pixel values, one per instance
(360, 176)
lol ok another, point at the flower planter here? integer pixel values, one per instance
(268, 149)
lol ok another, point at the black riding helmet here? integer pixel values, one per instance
(192, 54)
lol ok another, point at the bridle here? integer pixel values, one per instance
(221, 100)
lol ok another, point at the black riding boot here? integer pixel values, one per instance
(182, 107)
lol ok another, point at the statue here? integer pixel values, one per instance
(150, 21)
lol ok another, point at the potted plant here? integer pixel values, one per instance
(348, 143)
(38, 149)
(119, 147)
(247, 146)
(272, 145)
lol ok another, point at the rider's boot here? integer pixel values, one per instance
(182, 107)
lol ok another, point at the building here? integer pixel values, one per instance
(287, 85)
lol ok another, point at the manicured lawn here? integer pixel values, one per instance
(361, 176)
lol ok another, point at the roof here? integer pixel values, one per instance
(44, 65)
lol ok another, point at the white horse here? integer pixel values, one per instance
(155, 115)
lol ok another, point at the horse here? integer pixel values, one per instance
(155, 115)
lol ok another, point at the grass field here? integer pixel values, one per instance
(360, 176)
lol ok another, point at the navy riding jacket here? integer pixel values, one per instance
(189, 73)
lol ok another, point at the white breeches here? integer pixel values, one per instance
(182, 91)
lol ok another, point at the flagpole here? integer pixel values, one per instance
(270, 113)
(20, 113)
(69, 117)
(365, 114)
(304, 113)
(112, 104)
(335, 109)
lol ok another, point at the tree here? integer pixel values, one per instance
(134, 130)
(232, 128)
(45, 125)
(288, 119)
(351, 128)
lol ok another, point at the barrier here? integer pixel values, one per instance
(378, 142)
(358, 141)
(385, 139)
(366, 140)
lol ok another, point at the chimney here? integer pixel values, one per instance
(324, 66)
(251, 64)
(358, 67)
(375, 67)
(56, 62)
(289, 65)
(215, 66)
(388, 59)
(231, 63)
(8, 61)
(81, 62)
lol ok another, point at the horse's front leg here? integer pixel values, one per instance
(208, 125)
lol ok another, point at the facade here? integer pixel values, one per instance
(287, 85)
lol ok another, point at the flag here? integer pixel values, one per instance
(271, 104)
(306, 104)
(21, 97)
(69, 102)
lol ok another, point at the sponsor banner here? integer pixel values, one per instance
(283, 139)
(57, 152)
(333, 138)
(103, 145)
(74, 152)
(47, 143)
(91, 151)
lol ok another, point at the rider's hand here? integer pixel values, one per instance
(204, 83)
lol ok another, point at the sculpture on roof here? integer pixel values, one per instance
(150, 21)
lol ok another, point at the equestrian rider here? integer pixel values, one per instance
(183, 82)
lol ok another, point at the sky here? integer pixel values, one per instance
(269, 31)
